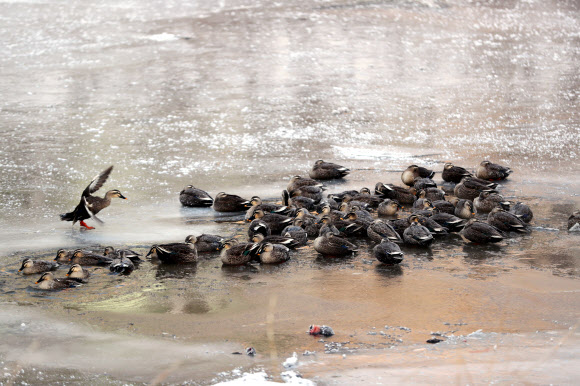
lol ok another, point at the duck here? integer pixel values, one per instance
(334, 214)
(434, 227)
(194, 197)
(328, 226)
(48, 282)
(206, 242)
(130, 254)
(309, 222)
(469, 189)
(490, 171)
(89, 258)
(30, 266)
(433, 194)
(339, 227)
(422, 203)
(424, 183)
(90, 205)
(121, 264)
(464, 209)
(522, 211)
(258, 226)
(380, 230)
(327, 171)
(77, 272)
(297, 201)
(332, 245)
(401, 195)
(298, 181)
(348, 204)
(235, 253)
(312, 192)
(443, 206)
(388, 207)
(388, 252)
(487, 201)
(449, 221)
(288, 242)
(506, 221)
(417, 234)
(414, 171)
(361, 220)
(269, 253)
(175, 253)
(364, 199)
(296, 232)
(455, 174)
(257, 203)
(574, 222)
(230, 203)
(63, 256)
(479, 232)
(275, 221)
(400, 225)
(338, 197)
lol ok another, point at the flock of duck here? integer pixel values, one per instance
(475, 210)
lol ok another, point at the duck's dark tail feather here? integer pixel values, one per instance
(68, 216)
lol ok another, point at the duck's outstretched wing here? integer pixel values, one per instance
(97, 182)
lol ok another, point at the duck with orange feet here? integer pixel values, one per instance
(90, 205)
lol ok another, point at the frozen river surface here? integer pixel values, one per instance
(238, 96)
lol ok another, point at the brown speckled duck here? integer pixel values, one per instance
(401, 195)
(90, 205)
(488, 200)
(269, 253)
(327, 171)
(77, 272)
(380, 230)
(490, 171)
(194, 197)
(230, 203)
(121, 264)
(30, 266)
(506, 221)
(235, 253)
(175, 253)
(48, 282)
(388, 208)
(452, 173)
(479, 232)
(417, 234)
(332, 245)
(388, 252)
(464, 209)
(88, 258)
(130, 254)
(522, 211)
(298, 181)
(414, 171)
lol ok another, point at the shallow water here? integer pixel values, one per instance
(238, 96)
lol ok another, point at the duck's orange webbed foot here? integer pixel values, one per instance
(83, 224)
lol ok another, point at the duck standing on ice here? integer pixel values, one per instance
(90, 205)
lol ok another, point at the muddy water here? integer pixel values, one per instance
(237, 96)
